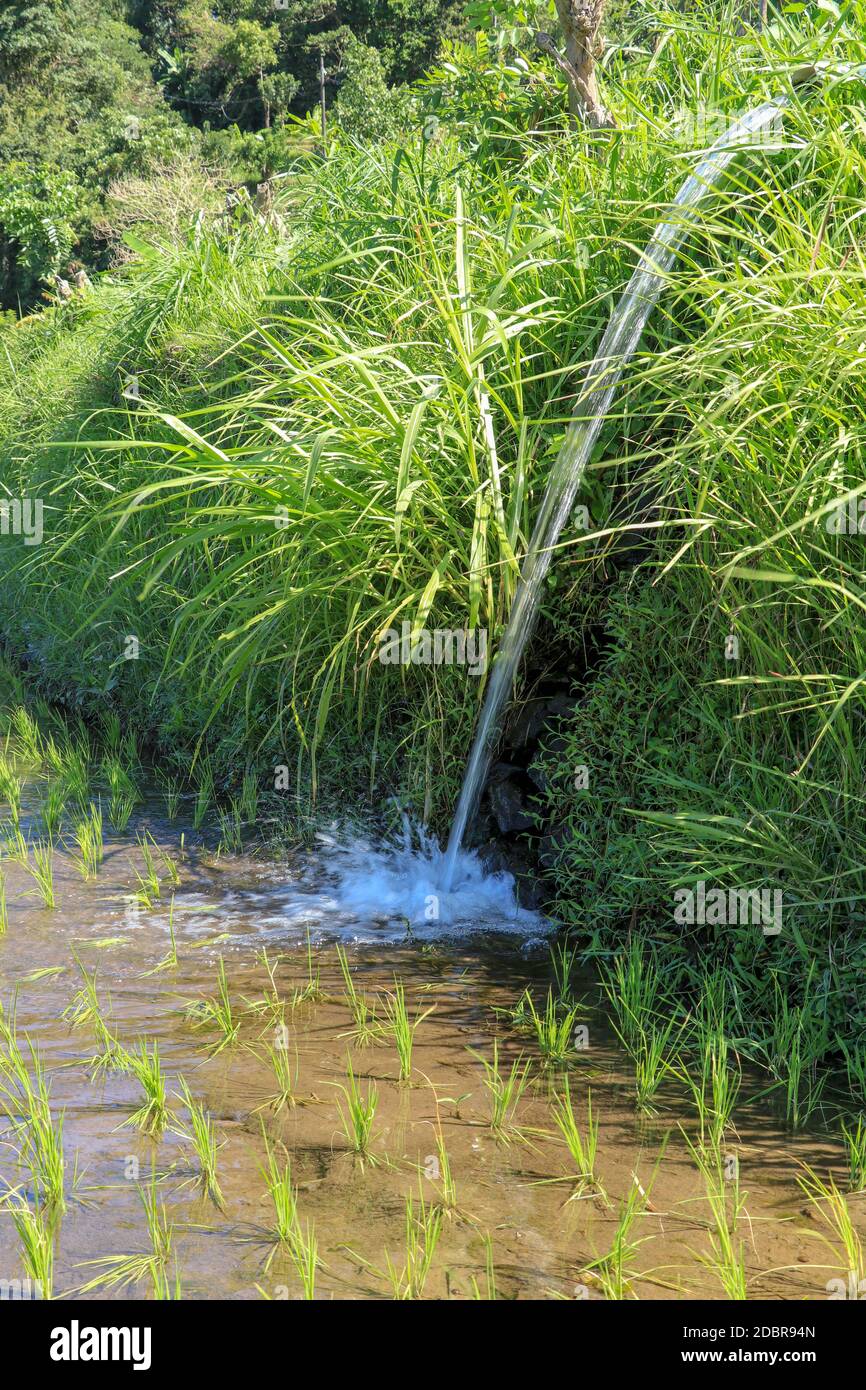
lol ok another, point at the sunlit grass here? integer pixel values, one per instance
(201, 1132)
(505, 1090)
(357, 1114)
(402, 1028)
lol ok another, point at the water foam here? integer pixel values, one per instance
(351, 888)
(402, 887)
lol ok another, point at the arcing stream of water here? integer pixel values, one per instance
(617, 346)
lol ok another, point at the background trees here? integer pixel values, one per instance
(95, 91)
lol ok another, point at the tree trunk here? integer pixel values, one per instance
(581, 22)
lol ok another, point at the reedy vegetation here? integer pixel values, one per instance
(351, 427)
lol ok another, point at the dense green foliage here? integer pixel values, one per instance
(78, 107)
(347, 413)
(247, 61)
(98, 94)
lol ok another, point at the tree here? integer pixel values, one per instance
(366, 105)
(78, 107)
(581, 22)
(189, 44)
(37, 206)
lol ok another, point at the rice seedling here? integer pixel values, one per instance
(445, 1175)
(402, 1030)
(284, 1200)
(153, 1114)
(489, 1294)
(357, 1114)
(217, 1012)
(169, 960)
(54, 756)
(75, 774)
(111, 731)
(171, 791)
(4, 910)
(652, 1064)
(583, 1147)
(203, 797)
(855, 1144)
(799, 1039)
(35, 1230)
(165, 1290)
(124, 1271)
(37, 1133)
(563, 958)
(85, 1011)
(726, 1258)
(120, 810)
(123, 793)
(304, 1250)
(170, 866)
(52, 810)
(141, 898)
(27, 738)
(42, 872)
(615, 1270)
(716, 1087)
(10, 790)
(285, 1070)
(202, 1134)
(15, 847)
(554, 1029)
(129, 748)
(149, 882)
(422, 1230)
(231, 830)
(367, 1029)
(87, 835)
(311, 992)
(504, 1089)
(831, 1206)
(271, 1004)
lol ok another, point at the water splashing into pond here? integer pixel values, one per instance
(404, 884)
(270, 1067)
(617, 346)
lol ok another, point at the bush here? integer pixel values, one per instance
(367, 108)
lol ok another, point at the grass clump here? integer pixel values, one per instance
(402, 1028)
(357, 1114)
(504, 1089)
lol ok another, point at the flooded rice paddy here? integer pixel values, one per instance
(496, 1211)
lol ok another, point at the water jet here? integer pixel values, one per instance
(620, 341)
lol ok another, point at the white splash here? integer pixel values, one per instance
(400, 889)
(351, 888)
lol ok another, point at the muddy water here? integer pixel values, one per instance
(541, 1240)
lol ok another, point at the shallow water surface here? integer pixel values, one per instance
(469, 966)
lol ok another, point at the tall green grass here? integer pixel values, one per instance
(352, 429)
